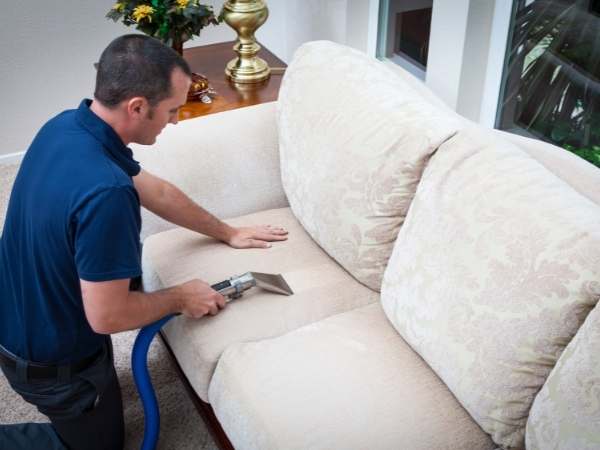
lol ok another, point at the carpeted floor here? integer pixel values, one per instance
(181, 426)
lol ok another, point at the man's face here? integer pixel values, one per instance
(166, 111)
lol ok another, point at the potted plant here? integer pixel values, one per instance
(171, 21)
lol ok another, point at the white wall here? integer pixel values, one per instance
(475, 57)
(466, 55)
(46, 57)
(46, 62)
(47, 50)
(446, 48)
(46, 53)
(357, 34)
(495, 63)
(293, 22)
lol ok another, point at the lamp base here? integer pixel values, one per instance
(253, 70)
(245, 17)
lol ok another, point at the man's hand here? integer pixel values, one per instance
(199, 299)
(256, 237)
(110, 307)
(168, 202)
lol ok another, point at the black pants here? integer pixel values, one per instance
(85, 409)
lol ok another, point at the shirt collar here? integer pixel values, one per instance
(110, 140)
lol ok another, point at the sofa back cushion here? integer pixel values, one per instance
(354, 138)
(580, 174)
(495, 268)
(566, 413)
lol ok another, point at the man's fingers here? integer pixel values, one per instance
(270, 237)
(214, 309)
(274, 230)
(221, 302)
(258, 236)
(257, 243)
(278, 231)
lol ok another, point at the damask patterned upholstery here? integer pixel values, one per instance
(321, 289)
(348, 382)
(354, 139)
(566, 413)
(494, 270)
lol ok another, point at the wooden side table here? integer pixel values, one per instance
(210, 61)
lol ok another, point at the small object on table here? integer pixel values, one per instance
(209, 60)
(200, 89)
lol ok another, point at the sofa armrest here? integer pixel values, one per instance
(227, 162)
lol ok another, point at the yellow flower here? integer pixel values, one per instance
(119, 7)
(182, 3)
(142, 12)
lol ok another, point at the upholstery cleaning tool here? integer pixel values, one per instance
(232, 288)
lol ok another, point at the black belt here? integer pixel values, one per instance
(44, 371)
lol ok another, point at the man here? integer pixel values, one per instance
(70, 248)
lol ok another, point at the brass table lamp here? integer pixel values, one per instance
(245, 17)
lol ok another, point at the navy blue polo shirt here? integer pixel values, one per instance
(73, 213)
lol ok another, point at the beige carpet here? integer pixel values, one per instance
(181, 426)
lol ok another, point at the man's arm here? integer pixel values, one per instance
(167, 201)
(110, 307)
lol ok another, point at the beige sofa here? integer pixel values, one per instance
(445, 276)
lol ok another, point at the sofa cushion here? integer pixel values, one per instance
(347, 382)
(566, 413)
(354, 138)
(583, 176)
(321, 288)
(493, 272)
(228, 173)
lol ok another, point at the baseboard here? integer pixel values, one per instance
(11, 158)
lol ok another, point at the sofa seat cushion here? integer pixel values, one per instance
(346, 382)
(321, 288)
(493, 272)
(354, 138)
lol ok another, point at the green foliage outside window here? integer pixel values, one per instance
(553, 75)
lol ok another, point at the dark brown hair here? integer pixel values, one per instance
(136, 65)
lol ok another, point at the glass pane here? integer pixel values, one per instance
(551, 84)
(404, 33)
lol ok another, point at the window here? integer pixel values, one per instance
(551, 81)
(404, 28)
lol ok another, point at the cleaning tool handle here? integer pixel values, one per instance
(221, 286)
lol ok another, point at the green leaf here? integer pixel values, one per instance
(560, 132)
(169, 21)
(589, 154)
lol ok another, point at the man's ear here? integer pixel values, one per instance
(137, 107)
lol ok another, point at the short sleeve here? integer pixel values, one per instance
(107, 235)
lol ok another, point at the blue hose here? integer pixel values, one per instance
(141, 376)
